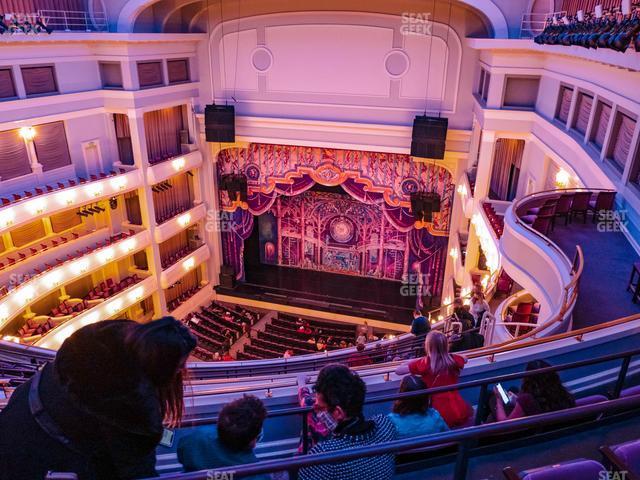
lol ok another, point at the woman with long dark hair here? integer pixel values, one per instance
(539, 393)
(99, 408)
(413, 415)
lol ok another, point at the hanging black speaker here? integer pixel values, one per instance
(220, 123)
(429, 136)
(424, 205)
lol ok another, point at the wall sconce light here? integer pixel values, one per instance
(7, 218)
(462, 190)
(80, 266)
(184, 220)
(189, 263)
(115, 306)
(4, 313)
(119, 183)
(136, 294)
(562, 179)
(106, 255)
(485, 281)
(37, 206)
(178, 164)
(95, 190)
(27, 294)
(453, 253)
(67, 198)
(128, 245)
(52, 280)
(447, 301)
(28, 133)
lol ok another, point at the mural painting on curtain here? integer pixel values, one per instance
(368, 230)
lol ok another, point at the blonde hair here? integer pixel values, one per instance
(436, 346)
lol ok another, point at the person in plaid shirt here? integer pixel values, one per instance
(320, 423)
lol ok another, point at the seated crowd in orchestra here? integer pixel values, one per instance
(124, 380)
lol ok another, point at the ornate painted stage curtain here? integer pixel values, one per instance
(621, 140)
(162, 129)
(7, 87)
(169, 201)
(274, 170)
(238, 227)
(585, 103)
(33, 6)
(123, 138)
(51, 146)
(588, 6)
(564, 104)
(65, 220)
(39, 80)
(603, 115)
(28, 233)
(14, 159)
(507, 158)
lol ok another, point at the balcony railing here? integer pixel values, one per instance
(65, 20)
(533, 23)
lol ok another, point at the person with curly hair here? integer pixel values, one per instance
(340, 392)
(539, 393)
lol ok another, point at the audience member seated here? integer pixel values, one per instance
(360, 358)
(466, 341)
(341, 392)
(461, 314)
(413, 416)
(106, 396)
(539, 393)
(438, 368)
(319, 422)
(239, 429)
(420, 324)
(478, 307)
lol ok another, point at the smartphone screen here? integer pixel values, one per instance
(503, 394)
(167, 438)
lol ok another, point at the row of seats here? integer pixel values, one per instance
(496, 221)
(166, 262)
(27, 254)
(346, 332)
(168, 215)
(183, 297)
(524, 312)
(16, 197)
(69, 308)
(568, 206)
(612, 31)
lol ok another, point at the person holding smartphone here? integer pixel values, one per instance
(539, 393)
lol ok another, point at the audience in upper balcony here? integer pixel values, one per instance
(438, 368)
(341, 392)
(414, 416)
(539, 393)
(238, 430)
(98, 409)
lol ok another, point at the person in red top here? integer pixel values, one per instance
(438, 368)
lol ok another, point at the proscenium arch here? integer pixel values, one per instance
(133, 8)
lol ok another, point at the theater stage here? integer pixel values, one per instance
(330, 292)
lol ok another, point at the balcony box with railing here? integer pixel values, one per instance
(162, 171)
(178, 223)
(176, 271)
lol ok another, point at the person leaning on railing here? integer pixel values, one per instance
(98, 409)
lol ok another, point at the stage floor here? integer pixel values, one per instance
(344, 294)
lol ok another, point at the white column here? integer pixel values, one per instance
(140, 157)
(485, 164)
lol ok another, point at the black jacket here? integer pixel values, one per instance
(100, 400)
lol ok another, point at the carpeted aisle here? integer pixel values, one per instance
(608, 261)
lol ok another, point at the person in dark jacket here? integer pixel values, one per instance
(98, 409)
(420, 324)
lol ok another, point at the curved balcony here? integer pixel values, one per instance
(103, 311)
(162, 171)
(172, 274)
(541, 266)
(179, 222)
(64, 197)
(38, 286)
